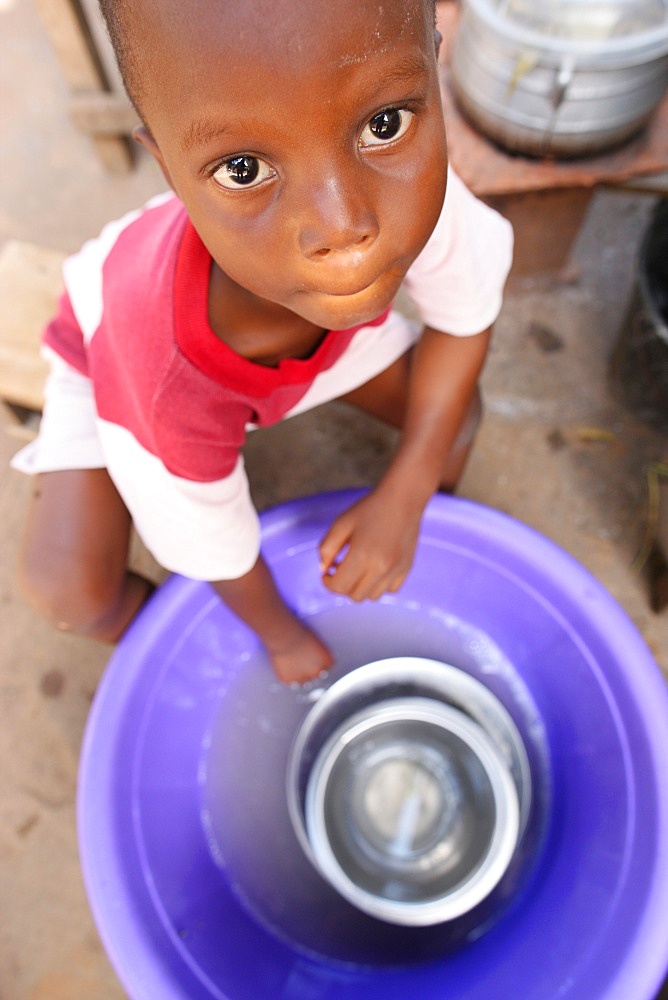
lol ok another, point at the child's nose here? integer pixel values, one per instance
(338, 218)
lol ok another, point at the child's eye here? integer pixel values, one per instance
(389, 124)
(242, 171)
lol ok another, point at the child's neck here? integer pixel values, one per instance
(255, 328)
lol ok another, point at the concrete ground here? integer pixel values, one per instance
(557, 450)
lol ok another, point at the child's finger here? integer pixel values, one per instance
(332, 544)
(360, 585)
(348, 579)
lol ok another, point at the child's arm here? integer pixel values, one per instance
(381, 530)
(296, 653)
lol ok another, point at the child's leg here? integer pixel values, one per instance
(386, 397)
(74, 555)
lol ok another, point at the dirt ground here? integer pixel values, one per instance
(559, 449)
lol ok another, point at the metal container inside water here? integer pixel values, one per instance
(409, 788)
(560, 77)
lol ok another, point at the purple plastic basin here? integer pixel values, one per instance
(194, 876)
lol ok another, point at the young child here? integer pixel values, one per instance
(304, 145)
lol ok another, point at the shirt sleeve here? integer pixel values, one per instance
(456, 283)
(203, 530)
(63, 336)
(68, 435)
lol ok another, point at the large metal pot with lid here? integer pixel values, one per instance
(560, 77)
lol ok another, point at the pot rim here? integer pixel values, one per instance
(626, 50)
(499, 850)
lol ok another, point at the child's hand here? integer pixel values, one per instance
(380, 537)
(302, 660)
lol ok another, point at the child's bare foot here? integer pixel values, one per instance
(303, 660)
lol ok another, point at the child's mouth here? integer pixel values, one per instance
(339, 311)
(343, 292)
(388, 278)
(341, 306)
(356, 290)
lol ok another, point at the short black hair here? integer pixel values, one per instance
(116, 14)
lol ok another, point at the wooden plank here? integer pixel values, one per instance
(30, 283)
(116, 153)
(13, 424)
(103, 114)
(109, 119)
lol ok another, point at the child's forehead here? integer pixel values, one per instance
(216, 57)
(280, 31)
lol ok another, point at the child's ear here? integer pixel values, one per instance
(142, 135)
(438, 41)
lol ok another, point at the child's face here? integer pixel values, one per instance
(305, 139)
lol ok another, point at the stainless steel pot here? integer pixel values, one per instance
(566, 79)
(409, 790)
